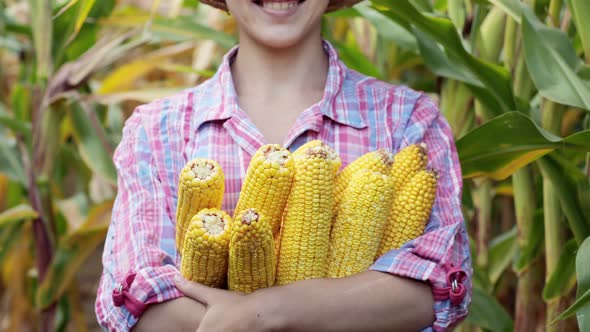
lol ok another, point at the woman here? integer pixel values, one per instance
(285, 85)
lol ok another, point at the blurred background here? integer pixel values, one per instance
(512, 78)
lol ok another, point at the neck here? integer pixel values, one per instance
(270, 72)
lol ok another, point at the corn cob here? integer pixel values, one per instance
(201, 185)
(267, 184)
(332, 155)
(376, 161)
(410, 212)
(359, 224)
(407, 163)
(206, 248)
(305, 235)
(252, 263)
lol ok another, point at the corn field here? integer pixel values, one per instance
(512, 78)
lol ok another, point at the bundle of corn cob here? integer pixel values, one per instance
(305, 234)
(334, 223)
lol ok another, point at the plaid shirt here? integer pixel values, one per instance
(357, 114)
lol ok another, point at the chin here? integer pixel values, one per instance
(280, 39)
(278, 23)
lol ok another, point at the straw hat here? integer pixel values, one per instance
(334, 4)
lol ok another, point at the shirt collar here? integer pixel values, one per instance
(328, 106)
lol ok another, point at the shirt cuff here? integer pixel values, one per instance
(135, 292)
(450, 286)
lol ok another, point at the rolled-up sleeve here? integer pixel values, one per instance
(441, 255)
(139, 255)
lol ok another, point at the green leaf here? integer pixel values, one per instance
(481, 278)
(42, 29)
(508, 142)
(580, 10)
(457, 13)
(10, 44)
(487, 313)
(584, 196)
(21, 102)
(71, 253)
(108, 49)
(17, 126)
(85, 7)
(388, 29)
(76, 28)
(552, 63)
(583, 299)
(10, 162)
(584, 72)
(173, 29)
(122, 78)
(356, 60)
(493, 77)
(567, 193)
(511, 7)
(441, 65)
(9, 235)
(501, 253)
(93, 149)
(17, 214)
(561, 279)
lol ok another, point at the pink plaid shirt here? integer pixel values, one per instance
(357, 114)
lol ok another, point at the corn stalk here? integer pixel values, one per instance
(554, 231)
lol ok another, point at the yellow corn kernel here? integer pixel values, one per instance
(206, 248)
(252, 263)
(410, 212)
(359, 224)
(267, 184)
(305, 234)
(332, 155)
(407, 163)
(200, 186)
(376, 161)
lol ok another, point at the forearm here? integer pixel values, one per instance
(182, 314)
(370, 302)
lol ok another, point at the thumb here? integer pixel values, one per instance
(196, 291)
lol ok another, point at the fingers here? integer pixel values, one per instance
(198, 292)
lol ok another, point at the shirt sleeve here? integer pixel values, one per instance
(139, 255)
(441, 255)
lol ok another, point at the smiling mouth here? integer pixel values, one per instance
(278, 4)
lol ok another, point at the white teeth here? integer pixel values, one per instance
(279, 5)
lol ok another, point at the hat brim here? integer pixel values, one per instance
(334, 4)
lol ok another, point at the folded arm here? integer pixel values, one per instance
(369, 301)
(182, 314)
(139, 258)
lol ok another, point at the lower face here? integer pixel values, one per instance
(278, 23)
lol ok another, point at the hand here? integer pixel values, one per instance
(181, 314)
(226, 311)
